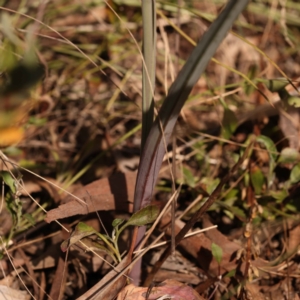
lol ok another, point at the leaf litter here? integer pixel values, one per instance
(254, 250)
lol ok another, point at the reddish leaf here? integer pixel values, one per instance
(169, 288)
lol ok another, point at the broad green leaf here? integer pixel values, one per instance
(295, 174)
(9, 180)
(217, 252)
(144, 216)
(288, 155)
(257, 179)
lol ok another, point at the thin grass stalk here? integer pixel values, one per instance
(162, 128)
(149, 66)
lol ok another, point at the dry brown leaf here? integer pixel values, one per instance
(93, 16)
(8, 293)
(253, 292)
(58, 284)
(113, 193)
(200, 247)
(169, 288)
(289, 125)
(294, 239)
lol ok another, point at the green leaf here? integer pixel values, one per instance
(81, 230)
(30, 219)
(291, 207)
(275, 85)
(91, 245)
(288, 155)
(9, 180)
(217, 252)
(230, 274)
(189, 177)
(257, 179)
(144, 216)
(272, 151)
(64, 246)
(210, 183)
(269, 145)
(295, 174)
(238, 212)
(294, 101)
(229, 123)
(229, 214)
(280, 195)
(117, 222)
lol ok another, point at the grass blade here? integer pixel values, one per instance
(163, 126)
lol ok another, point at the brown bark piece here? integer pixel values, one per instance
(113, 193)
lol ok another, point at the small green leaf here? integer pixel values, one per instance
(189, 177)
(288, 155)
(91, 245)
(257, 180)
(230, 273)
(269, 145)
(144, 216)
(217, 252)
(30, 219)
(272, 151)
(295, 174)
(210, 183)
(9, 180)
(81, 230)
(291, 207)
(229, 214)
(64, 245)
(117, 222)
(229, 123)
(294, 101)
(275, 85)
(238, 212)
(280, 195)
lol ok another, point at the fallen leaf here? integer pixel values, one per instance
(8, 293)
(113, 193)
(169, 288)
